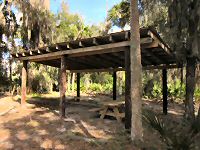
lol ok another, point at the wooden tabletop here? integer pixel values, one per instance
(113, 103)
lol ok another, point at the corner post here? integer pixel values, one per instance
(114, 85)
(164, 91)
(128, 112)
(24, 80)
(78, 85)
(62, 86)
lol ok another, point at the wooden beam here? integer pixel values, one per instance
(111, 39)
(94, 41)
(105, 51)
(98, 70)
(46, 59)
(114, 85)
(121, 56)
(145, 61)
(107, 48)
(24, 54)
(30, 52)
(24, 80)
(78, 85)
(166, 48)
(62, 86)
(58, 47)
(164, 90)
(39, 51)
(164, 66)
(146, 40)
(47, 49)
(123, 69)
(155, 58)
(110, 59)
(16, 55)
(81, 44)
(127, 35)
(93, 49)
(153, 44)
(102, 61)
(83, 61)
(69, 46)
(128, 105)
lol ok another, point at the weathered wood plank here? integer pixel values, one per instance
(150, 67)
(114, 47)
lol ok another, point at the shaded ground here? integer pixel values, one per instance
(38, 126)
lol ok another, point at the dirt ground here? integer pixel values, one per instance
(38, 126)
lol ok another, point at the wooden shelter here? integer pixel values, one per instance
(104, 53)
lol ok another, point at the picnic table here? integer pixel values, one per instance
(111, 108)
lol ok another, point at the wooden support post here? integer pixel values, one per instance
(164, 90)
(24, 80)
(128, 112)
(78, 85)
(62, 86)
(114, 85)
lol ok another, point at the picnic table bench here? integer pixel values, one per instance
(111, 108)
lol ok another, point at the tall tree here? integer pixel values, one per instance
(184, 21)
(177, 21)
(136, 73)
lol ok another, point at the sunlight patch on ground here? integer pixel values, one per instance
(33, 123)
(4, 134)
(87, 130)
(22, 135)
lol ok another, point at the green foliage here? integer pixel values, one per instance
(40, 83)
(157, 89)
(197, 93)
(95, 87)
(176, 88)
(175, 136)
(184, 28)
(119, 15)
(96, 83)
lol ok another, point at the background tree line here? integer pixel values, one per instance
(28, 24)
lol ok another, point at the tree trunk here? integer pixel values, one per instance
(24, 80)
(190, 87)
(136, 72)
(62, 86)
(10, 70)
(120, 82)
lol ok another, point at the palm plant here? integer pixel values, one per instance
(176, 137)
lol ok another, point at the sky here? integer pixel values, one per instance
(92, 11)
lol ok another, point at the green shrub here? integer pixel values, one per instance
(107, 88)
(197, 94)
(95, 87)
(157, 89)
(179, 136)
(176, 89)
